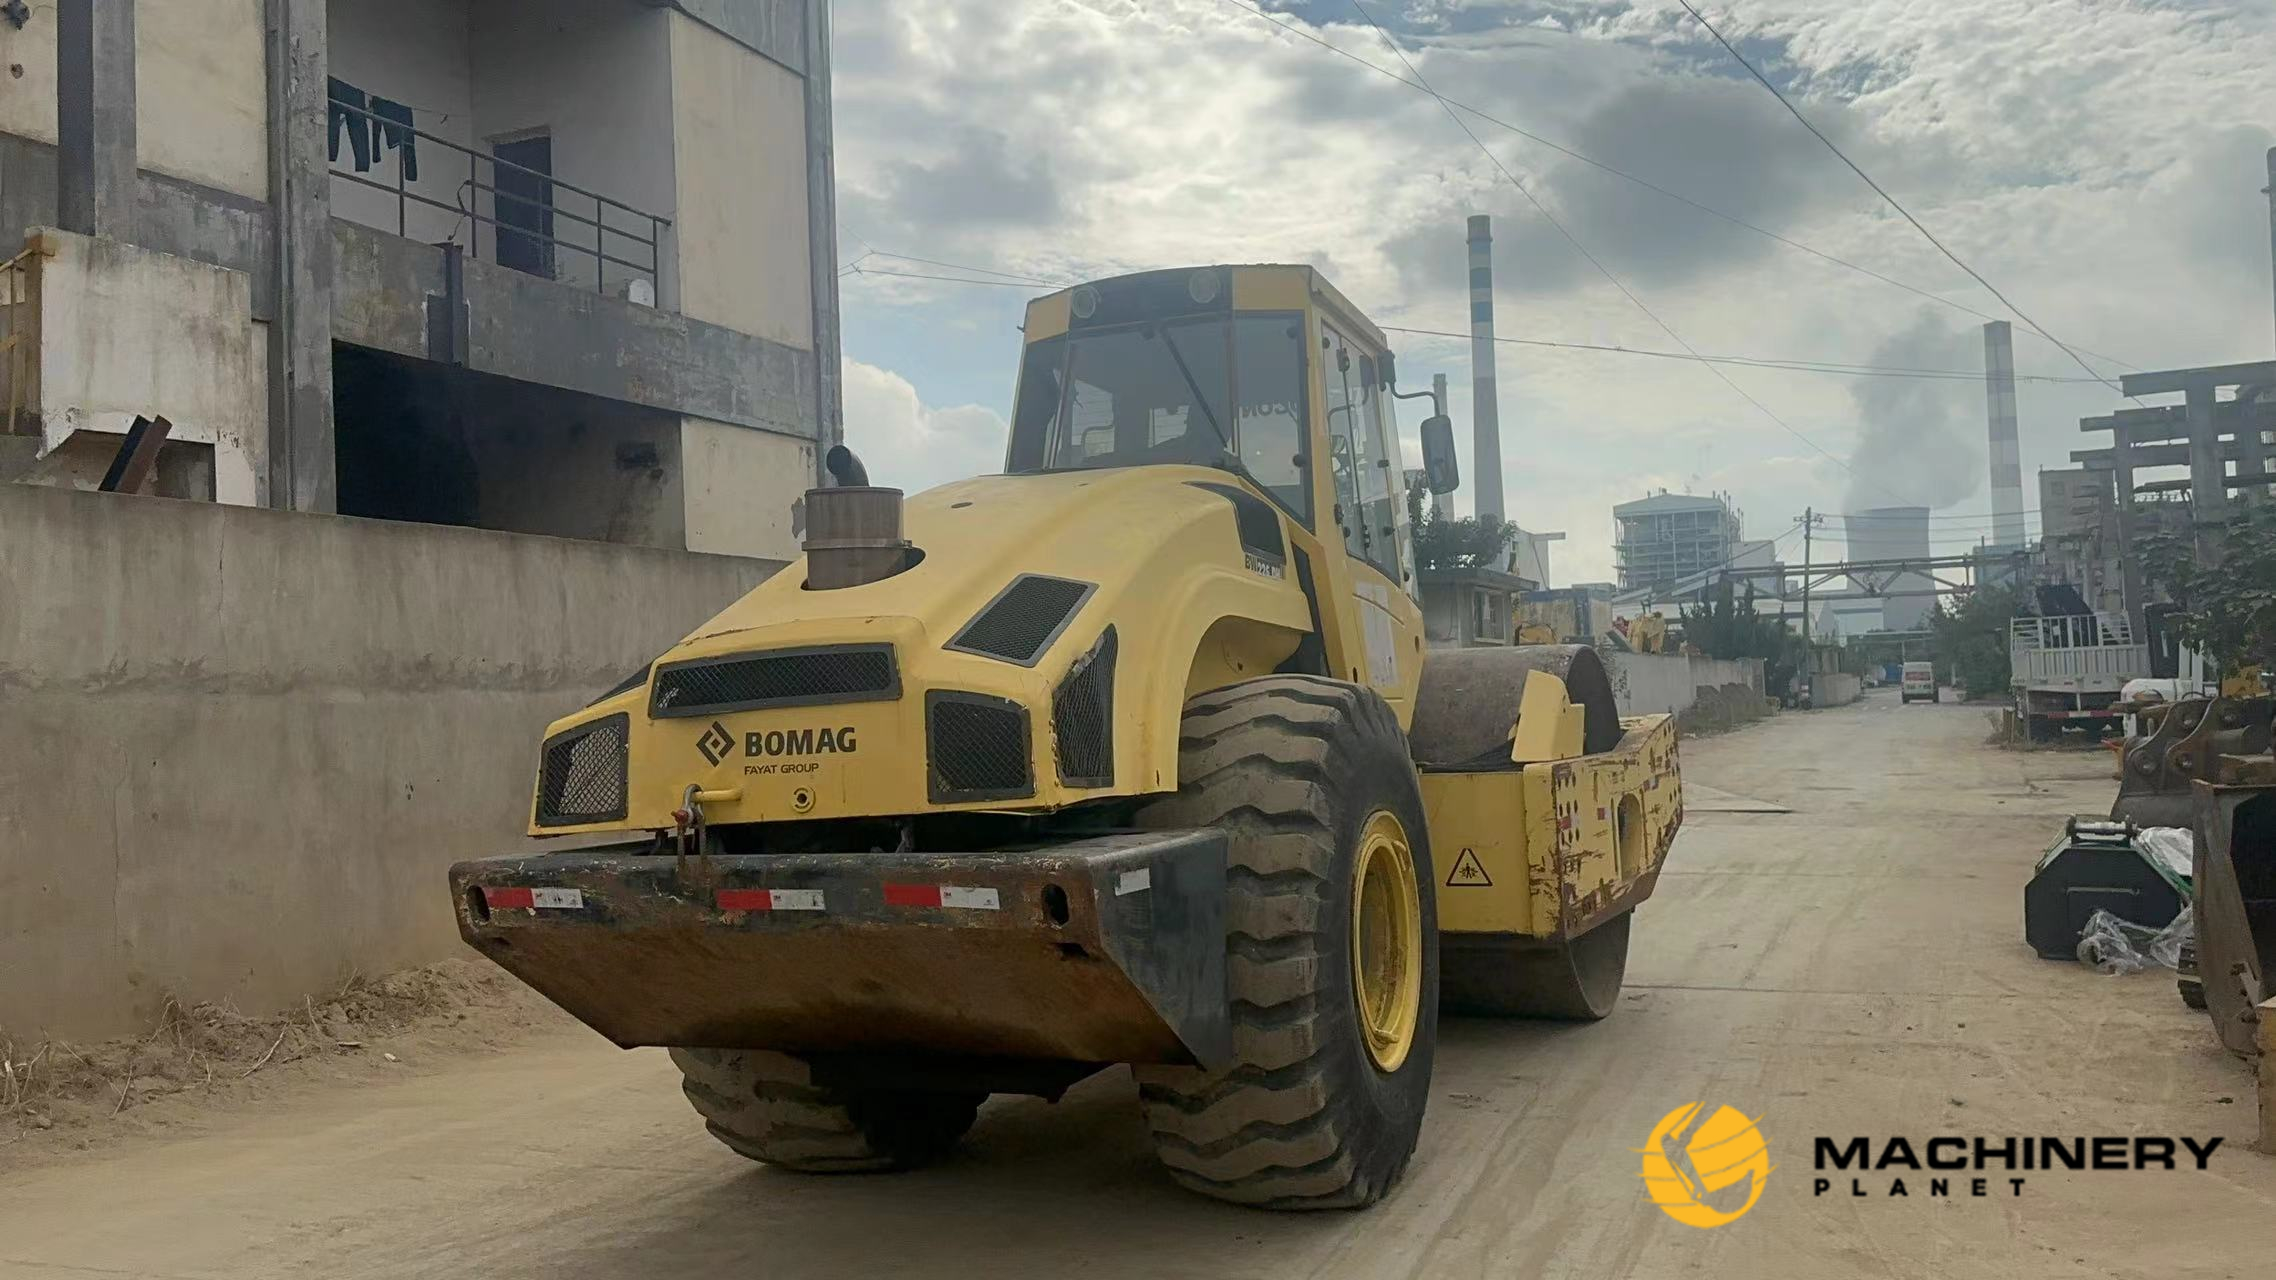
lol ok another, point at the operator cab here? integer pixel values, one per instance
(1206, 367)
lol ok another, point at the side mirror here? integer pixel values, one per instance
(1441, 473)
(1387, 367)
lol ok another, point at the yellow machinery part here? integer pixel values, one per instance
(1555, 847)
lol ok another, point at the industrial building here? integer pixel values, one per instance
(2184, 466)
(545, 266)
(1668, 536)
(1897, 534)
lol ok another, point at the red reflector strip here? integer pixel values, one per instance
(942, 895)
(532, 899)
(769, 899)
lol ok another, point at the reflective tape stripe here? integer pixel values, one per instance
(506, 898)
(769, 899)
(942, 895)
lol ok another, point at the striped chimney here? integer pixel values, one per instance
(2006, 447)
(1485, 410)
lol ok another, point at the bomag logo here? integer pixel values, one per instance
(716, 743)
(1705, 1167)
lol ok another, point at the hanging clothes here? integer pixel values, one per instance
(393, 129)
(343, 96)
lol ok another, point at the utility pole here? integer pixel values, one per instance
(1810, 518)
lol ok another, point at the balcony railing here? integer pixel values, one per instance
(526, 238)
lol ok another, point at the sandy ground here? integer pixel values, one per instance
(1851, 967)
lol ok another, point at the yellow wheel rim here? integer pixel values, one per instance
(1386, 941)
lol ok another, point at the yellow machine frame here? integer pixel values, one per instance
(1545, 849)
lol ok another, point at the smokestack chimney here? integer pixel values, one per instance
(1485, 411)
(2006, 448)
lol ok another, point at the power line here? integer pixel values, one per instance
(1297, 30)
(1593, 261)
(958, 266)
(1752, 362)
(1790, 364)
(918, 275)
(1917, 225)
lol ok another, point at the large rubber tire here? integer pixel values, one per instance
(1293, 768)
(765, 1106)
(1578, 981)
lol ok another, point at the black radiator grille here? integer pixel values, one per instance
(1082, 718)
(1022, 621)
(581, 778)
(976, 747)
(781, 678)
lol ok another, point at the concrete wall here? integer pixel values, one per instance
(741, 486)
(739, 133)
(239, 747)
(125, 331)
(201, 105)
(1835, 689)
(1652, 684)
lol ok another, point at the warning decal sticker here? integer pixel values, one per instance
(1468, 873)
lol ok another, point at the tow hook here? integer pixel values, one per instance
(688, 827)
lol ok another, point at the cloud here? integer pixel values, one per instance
(1920, 442)
(2098, 161)
(913, 446)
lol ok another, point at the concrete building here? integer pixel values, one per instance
(1667, 536)
(2080, 543)
(1894, 533)
(1466, 607)
(2210, 452)
(543, 266)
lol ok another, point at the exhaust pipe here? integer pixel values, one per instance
(853, 529)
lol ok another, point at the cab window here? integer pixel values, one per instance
(1268, 390)
(1367, 502)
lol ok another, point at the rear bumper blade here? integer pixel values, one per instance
(1109, 949)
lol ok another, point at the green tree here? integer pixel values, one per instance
(1471, 542)
(1971, 640)
(1727, 626)
(2229, 605)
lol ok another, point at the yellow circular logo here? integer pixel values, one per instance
(1698, 1158)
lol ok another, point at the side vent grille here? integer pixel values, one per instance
(1082, 718)
(976, 748)
(1019, 625)
(781, 678)
(581, 778)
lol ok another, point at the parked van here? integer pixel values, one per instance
(1920, 683)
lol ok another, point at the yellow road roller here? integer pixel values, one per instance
(1131, 754)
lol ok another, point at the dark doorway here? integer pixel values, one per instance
(524, 203)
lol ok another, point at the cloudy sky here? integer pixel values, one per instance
(2100, 161)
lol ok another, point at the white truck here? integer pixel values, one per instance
(1919, 683)
(2069, 669)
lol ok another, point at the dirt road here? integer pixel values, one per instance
(1850, 968)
